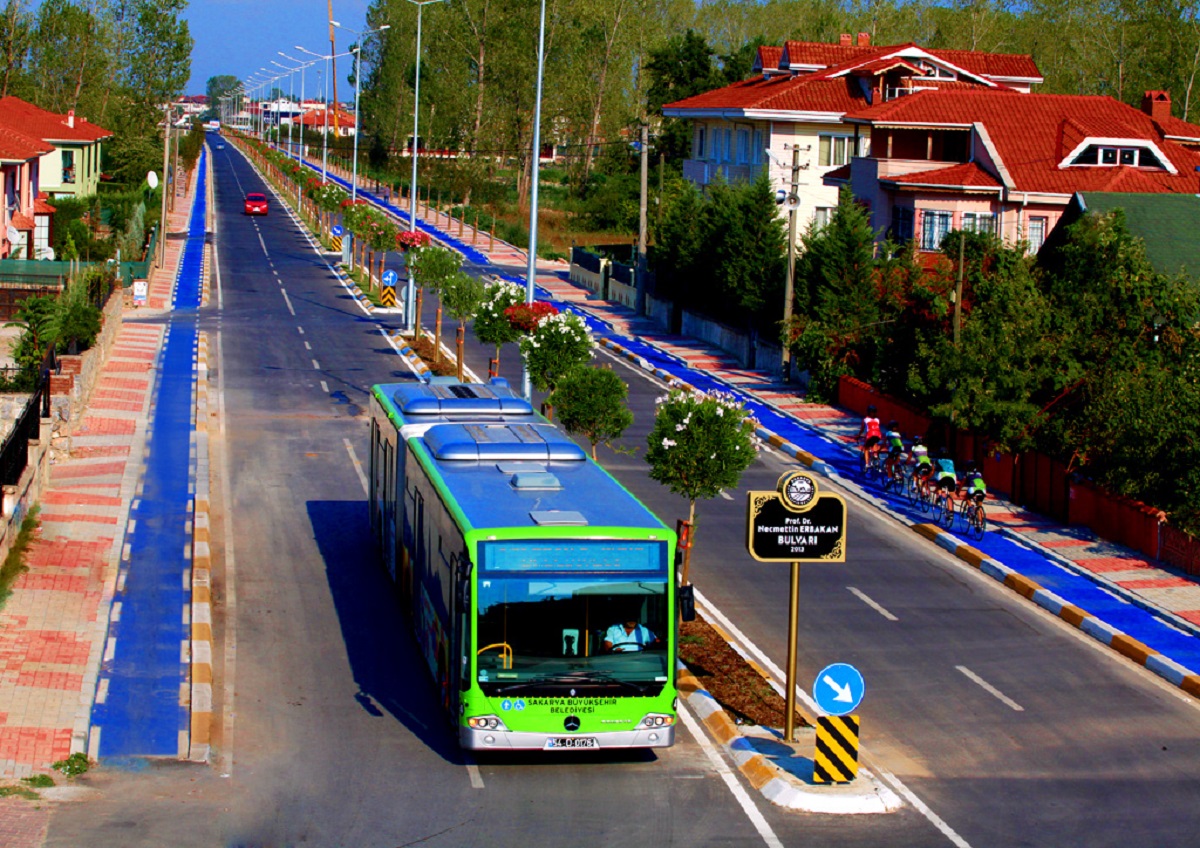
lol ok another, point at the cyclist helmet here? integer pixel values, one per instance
(871, 410)
(918, 438)
(969, 465)
(893, 424)
(943, 453)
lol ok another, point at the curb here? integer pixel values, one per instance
(1106, 634)
(864, 795)
(200, 674)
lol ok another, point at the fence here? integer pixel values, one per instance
(14, 453)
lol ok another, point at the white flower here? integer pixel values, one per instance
(668, 443)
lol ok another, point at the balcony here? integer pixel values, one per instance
(702, 171)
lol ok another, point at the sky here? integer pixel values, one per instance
(238, 37)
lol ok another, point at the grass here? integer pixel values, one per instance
(73, 765)
(14, 564)
(39, 781)
(18, 792)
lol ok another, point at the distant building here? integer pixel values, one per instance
(72, 167)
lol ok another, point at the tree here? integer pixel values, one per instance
(16, 37)
(560, 344)
(433, 267)
(462, 295)
(680, 68)
(700, 444)
(217, 88)
(590, 402)
(491, 325)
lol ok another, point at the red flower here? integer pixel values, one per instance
(408, 239)
(526, 316)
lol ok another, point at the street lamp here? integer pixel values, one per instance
(409, 293)
(357, 88)
(291, 97)
(325, 97)
(531, 269)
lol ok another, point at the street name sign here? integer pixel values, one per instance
(796, 522)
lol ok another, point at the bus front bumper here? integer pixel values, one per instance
(499, 740)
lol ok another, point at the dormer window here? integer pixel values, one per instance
(1110, 156)
(929, 69)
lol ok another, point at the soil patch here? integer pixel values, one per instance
(729, 678)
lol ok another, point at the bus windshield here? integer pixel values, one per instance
(572, 635)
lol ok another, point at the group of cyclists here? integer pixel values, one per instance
(933, 475)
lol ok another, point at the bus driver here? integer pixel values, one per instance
(628, 637)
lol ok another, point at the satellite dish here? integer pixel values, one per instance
(792, 203)
(48, 253)
(152, 179)
(12, 234)
(780, 196)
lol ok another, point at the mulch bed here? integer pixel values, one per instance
(734, 683)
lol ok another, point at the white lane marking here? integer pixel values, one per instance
(287, 300)
(260, 239)
(316, 365)
(110, 649)
(726, 495)
(362, 477)
(324, 387)
(862, 596)
(803, 696)
(307, 346)
(301, 329)
(990, 689)
(115, 615)
(734, 785)
(476, 777)
(102, 691)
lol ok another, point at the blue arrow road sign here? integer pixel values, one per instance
(838, 689)
(390, 277)
(336, 229)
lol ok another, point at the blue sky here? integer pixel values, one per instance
(240, 36)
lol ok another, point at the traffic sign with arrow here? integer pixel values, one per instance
(838, 689)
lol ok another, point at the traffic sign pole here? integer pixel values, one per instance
(789, 726)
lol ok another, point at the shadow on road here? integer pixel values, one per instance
(390, 673)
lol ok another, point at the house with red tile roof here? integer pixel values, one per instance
(72, 167)
(797, 102)
(24, 220)
(1006, 163)
(324, 120)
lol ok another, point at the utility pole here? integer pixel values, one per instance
(162, 223)
(793, 206)
(333, 75)
(640, 301)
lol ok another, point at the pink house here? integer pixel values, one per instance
(1009, 163)
(23, 213)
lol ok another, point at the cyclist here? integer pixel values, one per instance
(972, 483)
(922, 463)
(945, 478)
(870, 434)
(895, 448)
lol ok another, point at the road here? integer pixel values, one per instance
(1004, 726)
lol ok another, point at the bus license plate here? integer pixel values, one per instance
(563, 742)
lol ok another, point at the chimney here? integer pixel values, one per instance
(864, 39)
(1157, 104)
(71, 117)
(845, 41)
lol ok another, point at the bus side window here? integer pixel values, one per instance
(419, 532)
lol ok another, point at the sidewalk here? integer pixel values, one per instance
(53, 627)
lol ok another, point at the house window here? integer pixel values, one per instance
(979, 222)
(835, 149)
(1108, 156)
(68, 167)
(1037, 233)
(700, 133)
(934, 226)
(756, 148)
(902, 224)
(822, 215)
(743, 146)
(727, 153)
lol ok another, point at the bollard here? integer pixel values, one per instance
(458, 342)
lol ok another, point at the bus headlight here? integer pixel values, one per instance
(487, 722)
(656, 720)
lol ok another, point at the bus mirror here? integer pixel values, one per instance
(686, 598)
(464, 594)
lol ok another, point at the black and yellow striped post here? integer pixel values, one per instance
(337, 243)
(388, 296)
(836, 757)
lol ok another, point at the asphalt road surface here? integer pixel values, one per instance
(1001, 725)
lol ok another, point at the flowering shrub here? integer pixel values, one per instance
(526, 317)
(491, 324)
(560, 344)
(409, 239)
(700, 444)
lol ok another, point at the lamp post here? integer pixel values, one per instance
(410, 289)
(531, 269)
(291, 109)
(325, 97)
(357, 88)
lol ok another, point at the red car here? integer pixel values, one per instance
(256, 204)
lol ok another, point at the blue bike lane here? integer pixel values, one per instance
(1125, 620)
(145, 712)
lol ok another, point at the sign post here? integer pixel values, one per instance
(795, 523)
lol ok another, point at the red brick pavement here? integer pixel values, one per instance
(60, 498)
(23, 822)
(94, 425)
(89, 469)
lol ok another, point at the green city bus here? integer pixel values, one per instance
(518, 558)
